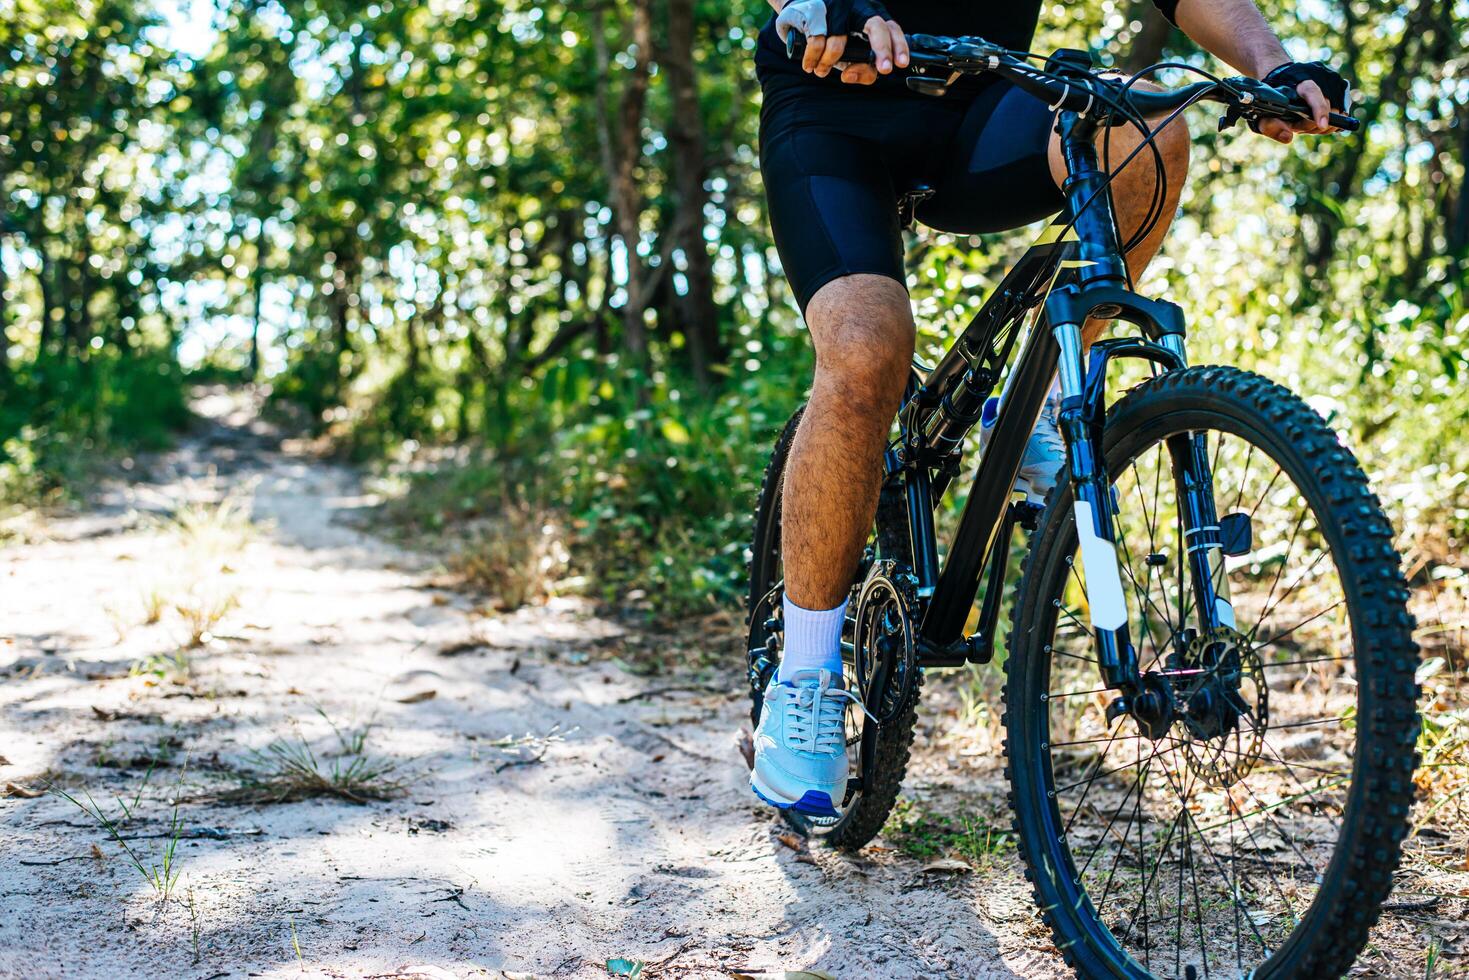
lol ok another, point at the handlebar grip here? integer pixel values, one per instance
(857, 49)
(1349, 124)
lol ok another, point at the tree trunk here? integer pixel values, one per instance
(4, 321)
(699, 313)
(259, 290)
(624, 154)
(344, 281)
(48, 302)
(1458, 230)
(1341, 179)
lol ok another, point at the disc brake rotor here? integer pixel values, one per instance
(1224, 706)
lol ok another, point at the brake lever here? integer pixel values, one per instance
(1257, 96)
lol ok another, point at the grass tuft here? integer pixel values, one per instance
(289, 770)
(923, 834)
(162, 872)
(202, 610)
(517, 557)
(212, 529)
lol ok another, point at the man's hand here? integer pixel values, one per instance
(1308, 78)
(826, 24)
(889, 49)
(1283, 132)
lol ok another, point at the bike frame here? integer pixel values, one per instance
(1075, 271)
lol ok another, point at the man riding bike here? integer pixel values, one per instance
(839, 144)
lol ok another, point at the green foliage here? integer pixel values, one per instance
(654, 491)
(925, 835)
(60, 416)
(536, 230)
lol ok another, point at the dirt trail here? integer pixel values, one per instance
(630, 834)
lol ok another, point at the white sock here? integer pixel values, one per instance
(813, 639)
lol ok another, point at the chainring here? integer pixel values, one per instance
(883, 641)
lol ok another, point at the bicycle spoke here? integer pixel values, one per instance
(1100, 759)
(1110, 772)
(1299, 580)
(1117, 857)
(1222, 829)
(1277, 805)
(1266, 492)
(1234, 890)
(1244, 479)
(1284, 633)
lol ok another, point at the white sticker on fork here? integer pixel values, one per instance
(1103, 580)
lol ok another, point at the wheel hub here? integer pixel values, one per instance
(1219, 684)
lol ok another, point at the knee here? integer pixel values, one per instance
(864, 347)
(868, 363)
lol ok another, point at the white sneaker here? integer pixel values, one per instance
(1045, 452)
(801, 743)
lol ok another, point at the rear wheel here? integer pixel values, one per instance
(1257, 833)
(861, 816)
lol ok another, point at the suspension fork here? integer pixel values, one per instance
(1092, 506)
(1202, 539)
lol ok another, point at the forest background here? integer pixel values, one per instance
(514, 254)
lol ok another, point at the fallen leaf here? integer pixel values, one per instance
(104, 714)
(4, 761)
(794, 842)
(805, 858)
(21, 792)
(428, 695)
(945, 864)
(786, 975)
(97, 853)
(621, 967)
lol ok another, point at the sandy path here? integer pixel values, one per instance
(633, 836)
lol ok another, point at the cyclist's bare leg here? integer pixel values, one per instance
(862, 329)
(1133, 189)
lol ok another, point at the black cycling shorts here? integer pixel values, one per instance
(836, 158)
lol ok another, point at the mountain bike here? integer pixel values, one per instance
(1210, 707)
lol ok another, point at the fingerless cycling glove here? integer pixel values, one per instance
(816, 18)
(1293, 73)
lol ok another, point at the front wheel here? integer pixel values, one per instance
(1257, 834)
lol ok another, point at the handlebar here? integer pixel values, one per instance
(1076, 87)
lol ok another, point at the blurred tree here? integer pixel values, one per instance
(538, 226)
